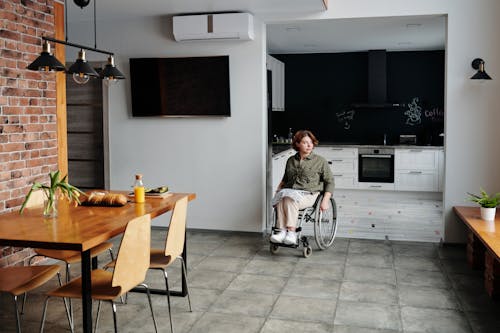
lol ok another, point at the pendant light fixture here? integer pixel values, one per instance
(81, 70)
(110, 73)
(46, 62)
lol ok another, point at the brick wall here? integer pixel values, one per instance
(28, 138)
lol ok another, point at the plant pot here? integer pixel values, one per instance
(488, 214)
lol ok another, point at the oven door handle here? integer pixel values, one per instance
(376, 156)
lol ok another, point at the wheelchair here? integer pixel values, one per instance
(324, 222)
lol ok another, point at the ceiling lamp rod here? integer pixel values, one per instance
(88, 48)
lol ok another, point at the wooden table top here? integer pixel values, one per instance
(77, 228)
(487, 231)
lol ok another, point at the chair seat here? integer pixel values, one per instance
(101, 287)
(72, 257)
(158, 259)
(17, 280)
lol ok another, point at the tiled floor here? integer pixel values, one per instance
(357, 286)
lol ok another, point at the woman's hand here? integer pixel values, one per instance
(325, 202)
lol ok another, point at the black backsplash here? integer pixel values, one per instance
(320, 90)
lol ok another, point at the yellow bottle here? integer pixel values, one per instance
(139, 189)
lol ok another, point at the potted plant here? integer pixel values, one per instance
(487, 202)
(57, 187)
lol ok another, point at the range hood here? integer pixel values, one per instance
(377, 82)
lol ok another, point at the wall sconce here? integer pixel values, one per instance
(478, 64)
(80, 70)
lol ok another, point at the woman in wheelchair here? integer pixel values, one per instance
(306, 175)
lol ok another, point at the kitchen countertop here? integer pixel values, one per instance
(280, 147)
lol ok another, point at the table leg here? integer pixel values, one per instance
(86, 292)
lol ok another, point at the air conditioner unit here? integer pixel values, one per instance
(227, 26)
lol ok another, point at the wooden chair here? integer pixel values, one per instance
(18, 280)
(174, 246)
(67, 256)
(132, 263)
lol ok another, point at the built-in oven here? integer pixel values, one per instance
(376, 165)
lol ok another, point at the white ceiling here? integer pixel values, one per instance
(318, 36)
(348, 35)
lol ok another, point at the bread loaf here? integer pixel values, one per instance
(103, 199)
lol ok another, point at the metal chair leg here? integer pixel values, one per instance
(44, 313)
(113, 306)
(151, 305)
(97, 316)
(25, 295)
(18, 321)
(168, 301)
(184, 272)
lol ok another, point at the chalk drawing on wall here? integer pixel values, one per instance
(434, 114)
(345, 117)
(414, 113)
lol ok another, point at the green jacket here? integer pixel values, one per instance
(311, 174)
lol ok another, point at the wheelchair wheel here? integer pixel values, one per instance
(306, 252)
(325, 225)
(274, 248)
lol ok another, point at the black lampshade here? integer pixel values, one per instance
(110, 72)
(478, 64)
(82, 67)
(46, 61)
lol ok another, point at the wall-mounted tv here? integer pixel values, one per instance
(180, 87)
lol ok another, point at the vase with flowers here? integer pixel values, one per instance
(58, 187)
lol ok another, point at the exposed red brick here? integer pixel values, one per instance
(12, 147)
(9, 34)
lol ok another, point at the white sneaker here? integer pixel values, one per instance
(278, 237)
(291, 238)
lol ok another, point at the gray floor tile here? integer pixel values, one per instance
(244, 303)
(266, 284)
(434, 320)
(370, 315)
(264, 267)
(283, 254)
(421, 278)
(458, 266)
(452, 252)
(477, 300)
(205, 249)
(415, 249)
(368, 292)
(306, 287)
(287, 326)
(465, 282)
(304, 309)
(417, 263)
(356, 329)
(200, 236)
(236, 251)
(427, 297)
(370, 274)
(359, 246)
(201, 300)
(210, 279)
(220, 322)
(370, 260)
(323, 271)
(223, 264)
(328, 256)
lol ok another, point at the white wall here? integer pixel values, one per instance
(223, 160)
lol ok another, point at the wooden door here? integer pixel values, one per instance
(85, 133)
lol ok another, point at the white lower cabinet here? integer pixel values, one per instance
(343, 164)
(416, 180)
(417, 170)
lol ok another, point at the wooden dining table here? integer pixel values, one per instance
(80, 228)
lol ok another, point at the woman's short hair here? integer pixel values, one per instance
(299, 135)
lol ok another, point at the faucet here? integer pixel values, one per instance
(385, 139)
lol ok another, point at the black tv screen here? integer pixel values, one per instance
(195, 86)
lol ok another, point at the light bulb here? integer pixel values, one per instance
(81, 78)
(110, 81)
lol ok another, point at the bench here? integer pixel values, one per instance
(483, 246)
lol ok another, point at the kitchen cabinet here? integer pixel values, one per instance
(277, 69)
(344, 165)
(278, 166)
(416, 170)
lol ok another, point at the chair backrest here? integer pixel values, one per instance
(177, 229)
(37, 198)
(132, 261)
